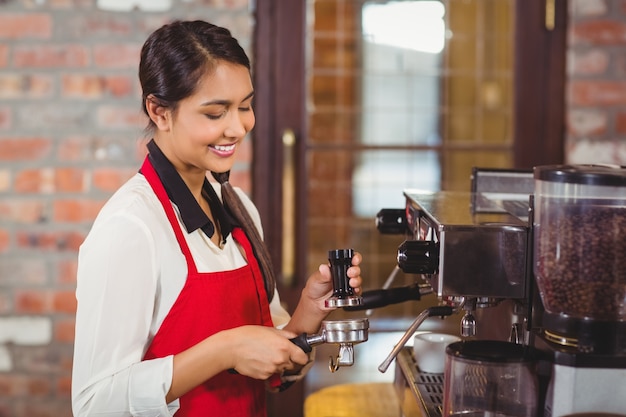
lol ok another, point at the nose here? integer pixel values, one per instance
(239, 123)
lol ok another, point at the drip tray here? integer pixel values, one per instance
(426, 388)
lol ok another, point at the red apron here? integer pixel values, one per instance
(207, 304)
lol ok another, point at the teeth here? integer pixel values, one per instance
(224, 148)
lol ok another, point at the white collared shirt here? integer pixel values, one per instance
(130, 272)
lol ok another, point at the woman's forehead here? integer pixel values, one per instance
(225, 81)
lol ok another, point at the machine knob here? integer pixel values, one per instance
(418, 256)
(391, 221)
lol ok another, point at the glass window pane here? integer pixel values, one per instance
(379, 178)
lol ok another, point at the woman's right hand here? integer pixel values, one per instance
(261, 351)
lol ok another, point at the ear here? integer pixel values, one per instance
(159, 114)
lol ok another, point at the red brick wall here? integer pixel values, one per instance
(70, 134)
(71, 131)
(596, 94)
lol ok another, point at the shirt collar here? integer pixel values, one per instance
(191, 213)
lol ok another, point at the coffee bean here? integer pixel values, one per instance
(580, 259)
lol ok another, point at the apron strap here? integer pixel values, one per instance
(155, 182)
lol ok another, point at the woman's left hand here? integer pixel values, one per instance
(320, 284)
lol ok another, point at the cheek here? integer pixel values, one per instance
(202, 131)
(250, 121)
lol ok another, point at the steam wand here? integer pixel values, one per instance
(429, 312)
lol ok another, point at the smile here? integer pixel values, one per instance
(224, 148)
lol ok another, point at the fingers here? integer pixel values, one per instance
(264, 351)
(357, 258)
(354, 272)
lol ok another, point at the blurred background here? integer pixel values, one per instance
(356, 101)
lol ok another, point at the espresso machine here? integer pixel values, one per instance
(534, 259)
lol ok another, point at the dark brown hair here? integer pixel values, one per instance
(173, 60)
(177, 55)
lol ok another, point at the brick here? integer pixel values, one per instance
(76, 210)
(597, 93)
(121, 55)
(45, 359)
(6, 304)
(25, 26)
(599, 32)
(25, 386)
(5, 180)
(620, 123)
(64, 301)
(4, 55)
(49, 241)
(90, 86)
(67, 4)
(5, 118)
(52, 117)
(26, 331)
(22, 211)
(51, 56)
(93, 148)
(24, 148)
(60, 156)
(49, 180)
(23, 271)
(596, 152)
(34, 181)
(588, 8)
(6, 362)
(82, 86)
(129, 5)
(38, 386)
(64, 330)
(587, 122)
(43, 408)
(5, 240)
(110, 179)
(69, 180)
(32, 302)
(100, 26)
(66, 271)
(117, 117)
(593, 62)
(64, 387)
(25, 86)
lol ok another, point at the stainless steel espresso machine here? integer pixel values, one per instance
(535, 262)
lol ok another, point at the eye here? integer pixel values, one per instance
(245, 108)
(215, 116)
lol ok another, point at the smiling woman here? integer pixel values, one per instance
(174, 270)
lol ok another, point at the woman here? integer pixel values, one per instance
(177, 306)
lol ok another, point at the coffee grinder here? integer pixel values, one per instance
(579, 262)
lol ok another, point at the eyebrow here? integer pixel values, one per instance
(225, 102)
